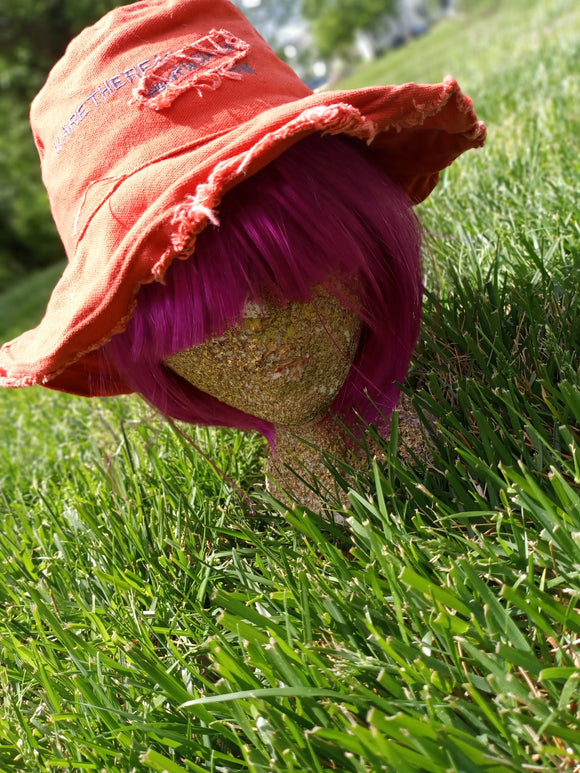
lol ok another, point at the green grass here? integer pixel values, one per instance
(24, 302)
(160, 616)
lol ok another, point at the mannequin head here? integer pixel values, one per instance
(319, 221)
(284, 363)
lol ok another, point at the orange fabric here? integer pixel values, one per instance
(152, 115)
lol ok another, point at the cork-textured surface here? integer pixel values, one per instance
(298, 474)
(282, 363)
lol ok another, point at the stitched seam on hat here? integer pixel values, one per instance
(79, 229)
(200, 65)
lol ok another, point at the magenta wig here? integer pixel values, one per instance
(322, 211)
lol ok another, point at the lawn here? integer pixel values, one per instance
(159, 614)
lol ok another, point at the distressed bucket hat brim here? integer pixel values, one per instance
(151, 116)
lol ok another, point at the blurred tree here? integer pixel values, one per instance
(335, 22)
(33, 36)
(281, 24)
(35, 33)
(270, 17)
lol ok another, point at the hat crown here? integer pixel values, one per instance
(148, 81)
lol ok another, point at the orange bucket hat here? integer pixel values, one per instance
(151, 116)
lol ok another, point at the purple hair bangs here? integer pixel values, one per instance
(320, 214)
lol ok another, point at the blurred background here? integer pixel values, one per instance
(323, 40)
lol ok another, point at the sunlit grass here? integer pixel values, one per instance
(23, 302)
(159, 614)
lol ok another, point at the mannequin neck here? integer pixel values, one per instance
(298, 472)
